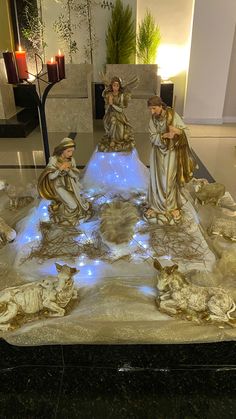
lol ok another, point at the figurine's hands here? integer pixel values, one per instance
(168, 135)
(65, 166)
(110, 99)
(174, 130)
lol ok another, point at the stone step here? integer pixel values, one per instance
(20, 125)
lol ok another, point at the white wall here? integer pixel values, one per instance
(52, 9)
(175, 21)
(229, 112)
(212, 39)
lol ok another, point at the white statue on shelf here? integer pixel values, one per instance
(36, 297)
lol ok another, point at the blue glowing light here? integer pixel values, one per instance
(167, 257)
(117, 172)
(147, 290)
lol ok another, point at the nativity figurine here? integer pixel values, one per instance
(179, 298)
(119, 134)
(49, 297)
(171, 163)
(59, 182)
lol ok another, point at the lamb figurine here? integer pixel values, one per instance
(50, 298)
(208, 193)
(7, 234)
(178, 297)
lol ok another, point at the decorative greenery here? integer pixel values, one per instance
(33, 29)
(148, 40)
(120, 35)
(106, 5)
(84, 18)
(83, 10)
(65, 29)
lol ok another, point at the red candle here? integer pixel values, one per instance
(21, 64)
(10, 65)
(60, 59)
(52, 68)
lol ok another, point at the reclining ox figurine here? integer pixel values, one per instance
(34, 297)
(177, 297)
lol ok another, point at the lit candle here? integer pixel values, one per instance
(10, 65)
(60, 59)
(52, 68)
(21, 64)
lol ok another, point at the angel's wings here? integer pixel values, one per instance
(104, 78)
(131, 84)
(127, 86)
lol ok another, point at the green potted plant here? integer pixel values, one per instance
(121, 35)
(148, 40)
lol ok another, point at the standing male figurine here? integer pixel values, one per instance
(171, 163)
(59, 182)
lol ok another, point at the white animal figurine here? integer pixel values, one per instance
(7, 234)
(3, 184)
(225, 227)
(177, 297)
(53, 295)
(19, 196)
(208, 193)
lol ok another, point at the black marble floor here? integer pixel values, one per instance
(118, 381)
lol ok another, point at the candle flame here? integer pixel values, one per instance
(20, 49)
(52, 60)
(59, 52)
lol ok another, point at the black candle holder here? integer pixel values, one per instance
(40, 100)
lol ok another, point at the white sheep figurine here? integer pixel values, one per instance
(178, 297)
(208, 193)
(7, 234)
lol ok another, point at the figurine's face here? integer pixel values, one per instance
(115, 86)
(68, 153)
(156, 110)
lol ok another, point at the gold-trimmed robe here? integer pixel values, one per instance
(171, 163)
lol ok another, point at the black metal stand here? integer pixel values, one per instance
(40, 100)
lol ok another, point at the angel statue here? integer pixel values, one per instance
(59, 182)
(119, 135)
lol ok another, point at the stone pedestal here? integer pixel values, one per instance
(7, 101)
(69, 103)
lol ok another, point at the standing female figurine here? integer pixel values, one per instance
(171, 163)
(119, 134)
(59, 182)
